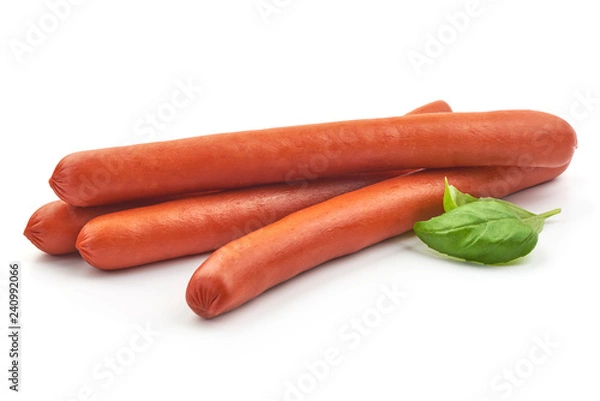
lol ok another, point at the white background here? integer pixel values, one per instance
(460, 328)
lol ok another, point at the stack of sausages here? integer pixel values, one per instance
(276, 202)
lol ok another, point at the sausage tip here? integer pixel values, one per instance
(32, 232)
(203, 295)
(438, 106)
(570, 141)
(86, 248)
(80, 244)
(57, 185)
(64, 183)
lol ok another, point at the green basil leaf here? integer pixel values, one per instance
(516, 210)
(486, 232)
(453, 198)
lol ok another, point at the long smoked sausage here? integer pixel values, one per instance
(244, 268)
(242, 159)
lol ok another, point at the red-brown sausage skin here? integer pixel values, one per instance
(248, 266)
(241, 159)
(191, 226)
(53, 228)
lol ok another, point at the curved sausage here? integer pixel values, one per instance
(244, 268)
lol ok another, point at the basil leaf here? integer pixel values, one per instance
(489, 231)
(516, 210)
(453, 198)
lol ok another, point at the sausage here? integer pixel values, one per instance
(241, 159)
(191, 226)
(244, 268)
(195, 225)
